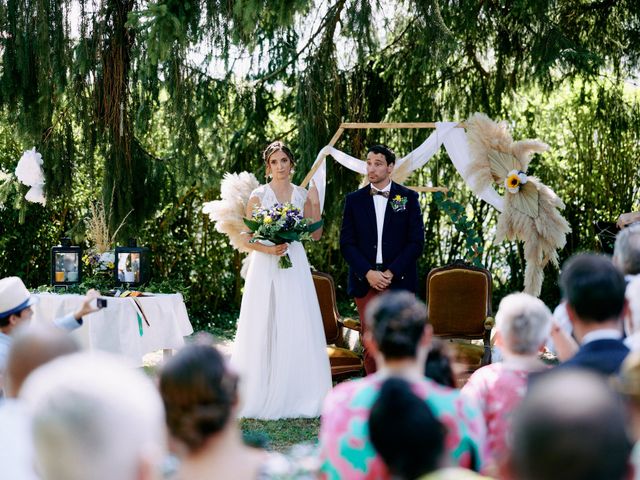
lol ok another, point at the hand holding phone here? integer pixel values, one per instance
(87, 306)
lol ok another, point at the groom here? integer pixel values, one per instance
(382, 236)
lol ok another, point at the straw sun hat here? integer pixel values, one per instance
(14, 296)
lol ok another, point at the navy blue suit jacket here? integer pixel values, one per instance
(402, 239)
(603, 356)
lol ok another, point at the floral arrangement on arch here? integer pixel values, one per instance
(531, 209)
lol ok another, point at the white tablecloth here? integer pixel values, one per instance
(116, 328)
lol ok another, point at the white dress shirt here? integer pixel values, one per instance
(380, 205)
(601, 334)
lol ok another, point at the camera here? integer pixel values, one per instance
(101, 302)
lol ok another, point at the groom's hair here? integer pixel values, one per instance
(396, 320)
(389, 156)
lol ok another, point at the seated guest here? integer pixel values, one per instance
(95, 418)
(30, 348)
(595, 293)
(626, 219)
(632, 316)
(561, 342)
(200, 395)
(15, 310)
(408, 437)
(626, 256)
(570, 426)
(524, 323)
(627, 383)
(399, 338)
(626, 251)
(440, 366)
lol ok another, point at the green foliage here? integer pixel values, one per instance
(146, 104)
(455, 211)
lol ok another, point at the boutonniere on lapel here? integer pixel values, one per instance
(398, 203)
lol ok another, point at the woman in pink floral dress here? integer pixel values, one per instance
(524, 323)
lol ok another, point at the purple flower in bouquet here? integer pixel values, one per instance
(280, 224)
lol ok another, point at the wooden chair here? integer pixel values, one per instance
(459, 307)
(344, 362)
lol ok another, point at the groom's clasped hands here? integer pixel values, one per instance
(379, 280)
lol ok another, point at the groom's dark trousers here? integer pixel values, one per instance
(402, 243)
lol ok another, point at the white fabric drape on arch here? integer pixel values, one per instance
(455, 143)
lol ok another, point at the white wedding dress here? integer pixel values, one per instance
(280, 347)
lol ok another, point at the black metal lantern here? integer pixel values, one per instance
(66, 263)
(132, 264)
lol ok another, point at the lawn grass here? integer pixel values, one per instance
(280, 435)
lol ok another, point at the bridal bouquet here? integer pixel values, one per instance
(280, 224)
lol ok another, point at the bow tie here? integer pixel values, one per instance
(374, 191)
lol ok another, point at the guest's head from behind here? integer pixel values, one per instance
(386, 152)
(570, 426)
(595, 293)
(627, 384)
(440, 364)
(397, 328)
(95, 417)
(31, 348)
(15, 304)
(405, 432)
(199, 394)
(524, 323)
(278, 156)
(626, 251)
(632, 315)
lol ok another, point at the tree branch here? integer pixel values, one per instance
(330, 16)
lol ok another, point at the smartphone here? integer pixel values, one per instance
(101, 302)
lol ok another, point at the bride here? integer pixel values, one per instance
(280, 349)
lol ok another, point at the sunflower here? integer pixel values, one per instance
(514, 180)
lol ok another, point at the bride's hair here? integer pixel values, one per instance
(274, 147)
(199, 393)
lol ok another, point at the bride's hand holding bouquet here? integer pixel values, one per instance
(278, 225)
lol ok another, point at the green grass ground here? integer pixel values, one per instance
(280, 435)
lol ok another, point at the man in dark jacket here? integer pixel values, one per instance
(595, 293)
(382, 235)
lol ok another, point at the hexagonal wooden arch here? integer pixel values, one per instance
(387, 125)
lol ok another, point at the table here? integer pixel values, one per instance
(116, 328)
